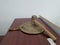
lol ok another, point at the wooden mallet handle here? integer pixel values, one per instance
(44, 28)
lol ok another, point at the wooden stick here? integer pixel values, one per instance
(44, 28)
(49, 33)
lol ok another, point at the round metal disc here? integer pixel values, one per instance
(30, 29)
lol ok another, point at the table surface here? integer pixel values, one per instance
(19, 38)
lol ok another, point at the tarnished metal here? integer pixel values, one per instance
(30, 29)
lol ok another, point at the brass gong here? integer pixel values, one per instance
(31, 27)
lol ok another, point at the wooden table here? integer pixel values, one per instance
(19, 38)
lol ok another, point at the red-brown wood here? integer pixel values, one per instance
(20, 38)
(1, 37)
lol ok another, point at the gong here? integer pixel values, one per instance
(30, 28)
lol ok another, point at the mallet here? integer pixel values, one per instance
(34, 21)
